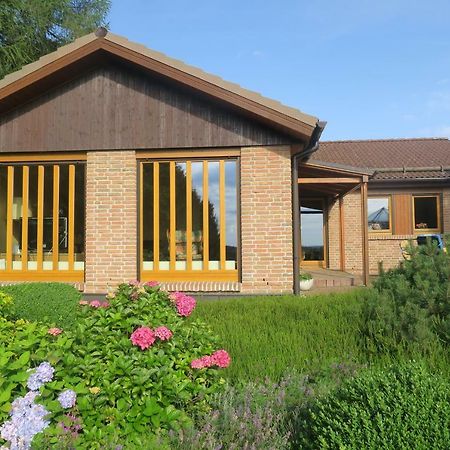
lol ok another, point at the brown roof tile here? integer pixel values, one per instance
(419, 158)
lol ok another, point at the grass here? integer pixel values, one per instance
(268, 335)
(53, 303)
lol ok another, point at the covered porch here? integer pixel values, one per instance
(332, 218)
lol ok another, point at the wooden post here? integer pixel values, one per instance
(342, 233)
(365, 233)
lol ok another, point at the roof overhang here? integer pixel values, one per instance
(92, 50)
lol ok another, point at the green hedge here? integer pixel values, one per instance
(48, 302)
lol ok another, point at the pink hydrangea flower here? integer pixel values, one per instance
(134, 283)
(105, 304)
(151, 283)
(163, 333)
(54, 331)
(83, 302)
(185, 304)
(221, 358)
(201, 363)
(96, 303)
(143, 337)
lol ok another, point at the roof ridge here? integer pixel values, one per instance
(442, 138)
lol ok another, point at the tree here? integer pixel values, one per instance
(30, 29)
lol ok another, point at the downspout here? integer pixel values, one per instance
(313, 145)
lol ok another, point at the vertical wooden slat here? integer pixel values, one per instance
(223, 238)
(40, 217)
(9, 218)
(205, 217)
(55, 238)
(25, 193)
(71, 236)
(141, 219)
(156, 215)
(189, 215)
(172, 248)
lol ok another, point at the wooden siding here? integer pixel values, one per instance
(117, 108)
(402, 213)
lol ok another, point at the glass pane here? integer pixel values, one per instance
(214, 215)
(17, 219)
(312, 230)
(80, 175)
(197, 216)
(32, 217)
(164, 216)
(147, 231)
(180, 216)
(63, 263)
(231, 214)
(425, 213)
(378, 214)
(47, 244)
(3, 200)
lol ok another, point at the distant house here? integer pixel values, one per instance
(118, 162)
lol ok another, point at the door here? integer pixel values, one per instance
(312, 231)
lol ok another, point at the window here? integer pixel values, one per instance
(426, 212)
(379, 213)
(42, 211)
(189, 220)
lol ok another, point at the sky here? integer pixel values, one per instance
(371, 69)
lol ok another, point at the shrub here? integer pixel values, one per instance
(411, 304)
(402, 406)
(50, 302)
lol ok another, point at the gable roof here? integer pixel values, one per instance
(273, 113)
(392, 159)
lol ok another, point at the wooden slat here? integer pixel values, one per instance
(223, 237)
(9, 218)
(71, 256)
(402, 214)
(190, 275)
(40, 217)
(181, 154)
(33, 157)
(188, 215)
(172, 231)
(156, 215)
(205, 217)
(25, 193)
(55, 237)
(344, 180)
(141, 217)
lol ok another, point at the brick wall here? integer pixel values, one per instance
(111, 232)
(266, 220)
(333, 236)
(446, 210)
(386, 249)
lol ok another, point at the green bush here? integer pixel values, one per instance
(45, 302)
(402, 406)
(410, 305)
(267, 335)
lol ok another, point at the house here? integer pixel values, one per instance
(118, 162)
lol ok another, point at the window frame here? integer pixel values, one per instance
(438, 213)
(190, 274)
(388, 230)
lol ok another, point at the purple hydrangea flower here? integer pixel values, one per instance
(42, 374)
(67, 398)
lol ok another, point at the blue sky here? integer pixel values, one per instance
(371, 69)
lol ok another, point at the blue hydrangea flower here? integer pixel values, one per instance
(67, 398)
(42, 374)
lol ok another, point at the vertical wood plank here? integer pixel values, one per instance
(55, 238)
(25, 194)
(71, 236)
(189, 215)
(9, 218)
(156, 216)
(40, 217)
(172, 248)
(205, 217)
(141, 219)
(223, 237)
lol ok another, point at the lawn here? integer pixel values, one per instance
(268, 335)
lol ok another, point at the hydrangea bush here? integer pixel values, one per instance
(127, 370)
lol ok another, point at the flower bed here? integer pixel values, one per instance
(129, 368)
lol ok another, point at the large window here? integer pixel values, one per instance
(379, 213)
(426, 212)
(42, 215)
(189, 228)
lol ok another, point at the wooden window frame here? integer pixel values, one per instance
(45, 164)
(390, 203)
(438, 198)
(188, 274)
